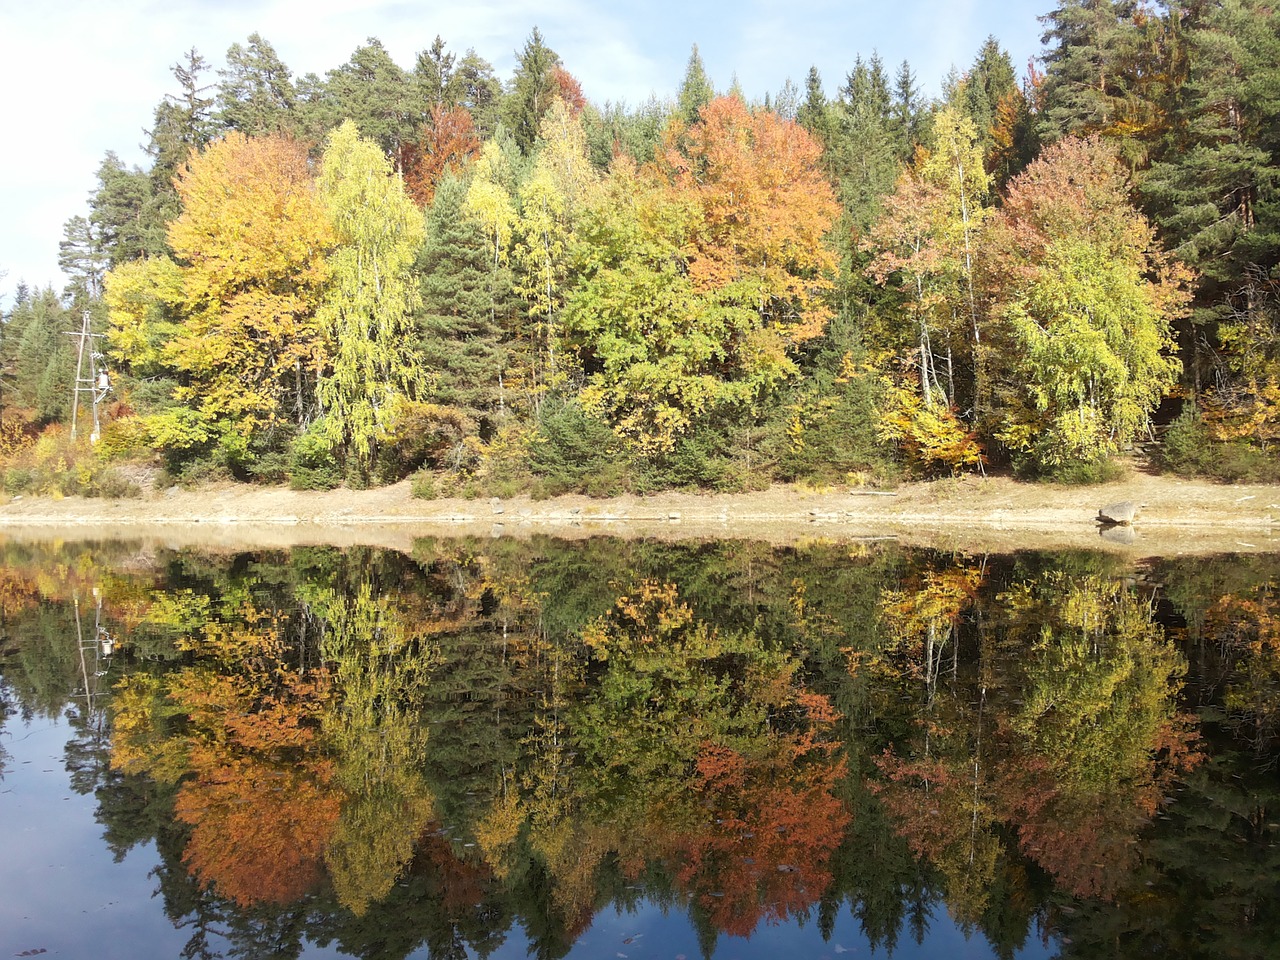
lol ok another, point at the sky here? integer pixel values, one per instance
(81, 77)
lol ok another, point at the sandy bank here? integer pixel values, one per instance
(977, 514)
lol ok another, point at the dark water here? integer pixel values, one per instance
(639, 750)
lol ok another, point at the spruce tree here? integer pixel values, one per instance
(1214, 193)
(696, 90)
(1083, 79)
(459, 325)
(532, 90)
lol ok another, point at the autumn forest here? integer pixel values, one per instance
(498, 285)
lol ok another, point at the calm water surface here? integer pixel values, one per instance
(628, 749)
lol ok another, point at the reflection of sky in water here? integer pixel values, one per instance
(657, 937)
(61, 891)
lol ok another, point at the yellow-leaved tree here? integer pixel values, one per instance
(366, 312)
(233, 320)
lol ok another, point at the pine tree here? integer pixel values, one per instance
(480, 92)
(435, 77)
(183, 124)
(371, 91)
(862, 150)
(83, 258)
(256, 93)
(126, 213)
(989, 81)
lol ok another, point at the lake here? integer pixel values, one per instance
(626, 748)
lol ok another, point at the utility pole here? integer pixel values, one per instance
(93, 381)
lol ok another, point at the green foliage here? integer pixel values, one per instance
(1078, 473)
(461, 324)
(696, 90)
(532, 91)
(1188, 448)
(39, 357)
(255, 93)
(312, 461)
(575, 451)
(1087, 310)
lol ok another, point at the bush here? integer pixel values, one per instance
(423, 485)
(1189, 449)
(1084, 474)
(54, 464)
(574, 451)
(312, 465)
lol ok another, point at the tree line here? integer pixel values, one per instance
(503, 286)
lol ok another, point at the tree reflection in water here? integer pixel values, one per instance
(386, 752)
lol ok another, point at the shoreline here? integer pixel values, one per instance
(970, 514)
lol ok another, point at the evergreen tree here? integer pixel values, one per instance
(183, 124)
(532, 90)
(83, 258)
(480, 92)
(126, 213)
(39, 356)
(434, 76)
(372, 92)
(905, 112)
(812, 114)
(460, 324)
(1084, 80)
(864, 157)
(787, 103)
(990, 80)
(695, 90)
(1213, 194)
(256, 94)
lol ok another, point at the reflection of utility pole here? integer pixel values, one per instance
(100, 645)
(93, 381)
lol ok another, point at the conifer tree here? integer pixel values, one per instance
(37, 354)
(1213, 193)
(532, 90)
(256, 93)
(461, 325)
(696, 90)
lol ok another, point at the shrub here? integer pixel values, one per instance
(1085, 473)
(312, 465)
(423, 485)
(573, 449)
(1189, 449)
